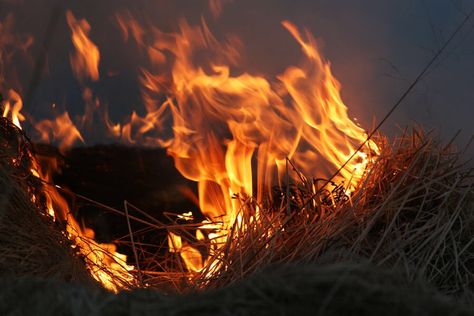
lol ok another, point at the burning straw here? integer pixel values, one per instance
(412, 212)
(30, 243)
(37, 237)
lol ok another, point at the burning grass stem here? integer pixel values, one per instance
(411, 209)
(288, 211)
(140, 277)
(399, 101)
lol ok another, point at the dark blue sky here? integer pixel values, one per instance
(376, 49)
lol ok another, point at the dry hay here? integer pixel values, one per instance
(413, 211)
(31, 244)
(339, 289)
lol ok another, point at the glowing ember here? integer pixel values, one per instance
(105, 263)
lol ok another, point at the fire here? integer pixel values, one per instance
(85, 60)
(12, 107)
(225, 125)
(232, 132)
(61, 129)
(106, 265)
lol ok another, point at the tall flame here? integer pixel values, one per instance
(85, 60)
(12, 108)
(224, 124)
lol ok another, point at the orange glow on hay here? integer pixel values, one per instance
(106, 265)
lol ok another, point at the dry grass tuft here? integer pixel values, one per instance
(413, 212)
(312, 289)
(31, 243)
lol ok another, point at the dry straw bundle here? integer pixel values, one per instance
(413, 212)
(30, 242)
(338, 289)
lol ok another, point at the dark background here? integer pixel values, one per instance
(376, 48)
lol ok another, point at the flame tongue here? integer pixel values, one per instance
(223, 124)
(105, 264)
(85, 59)
(12, 107)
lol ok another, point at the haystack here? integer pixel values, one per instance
(31, 243)
(413, 212)
(402, 242)
(314, 289)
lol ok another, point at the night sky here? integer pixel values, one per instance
(376, 49)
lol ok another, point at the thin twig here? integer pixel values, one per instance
(140, 277)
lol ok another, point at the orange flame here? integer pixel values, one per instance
(232, 133)
(85, 60)
(224, 124)
(61, 129)
(12, 107)
(105, 263)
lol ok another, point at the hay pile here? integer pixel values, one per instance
(410, 222)
(341, 289)
(413, 212)
(31, 244)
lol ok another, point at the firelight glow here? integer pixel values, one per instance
(224, 125)
(232, 132)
